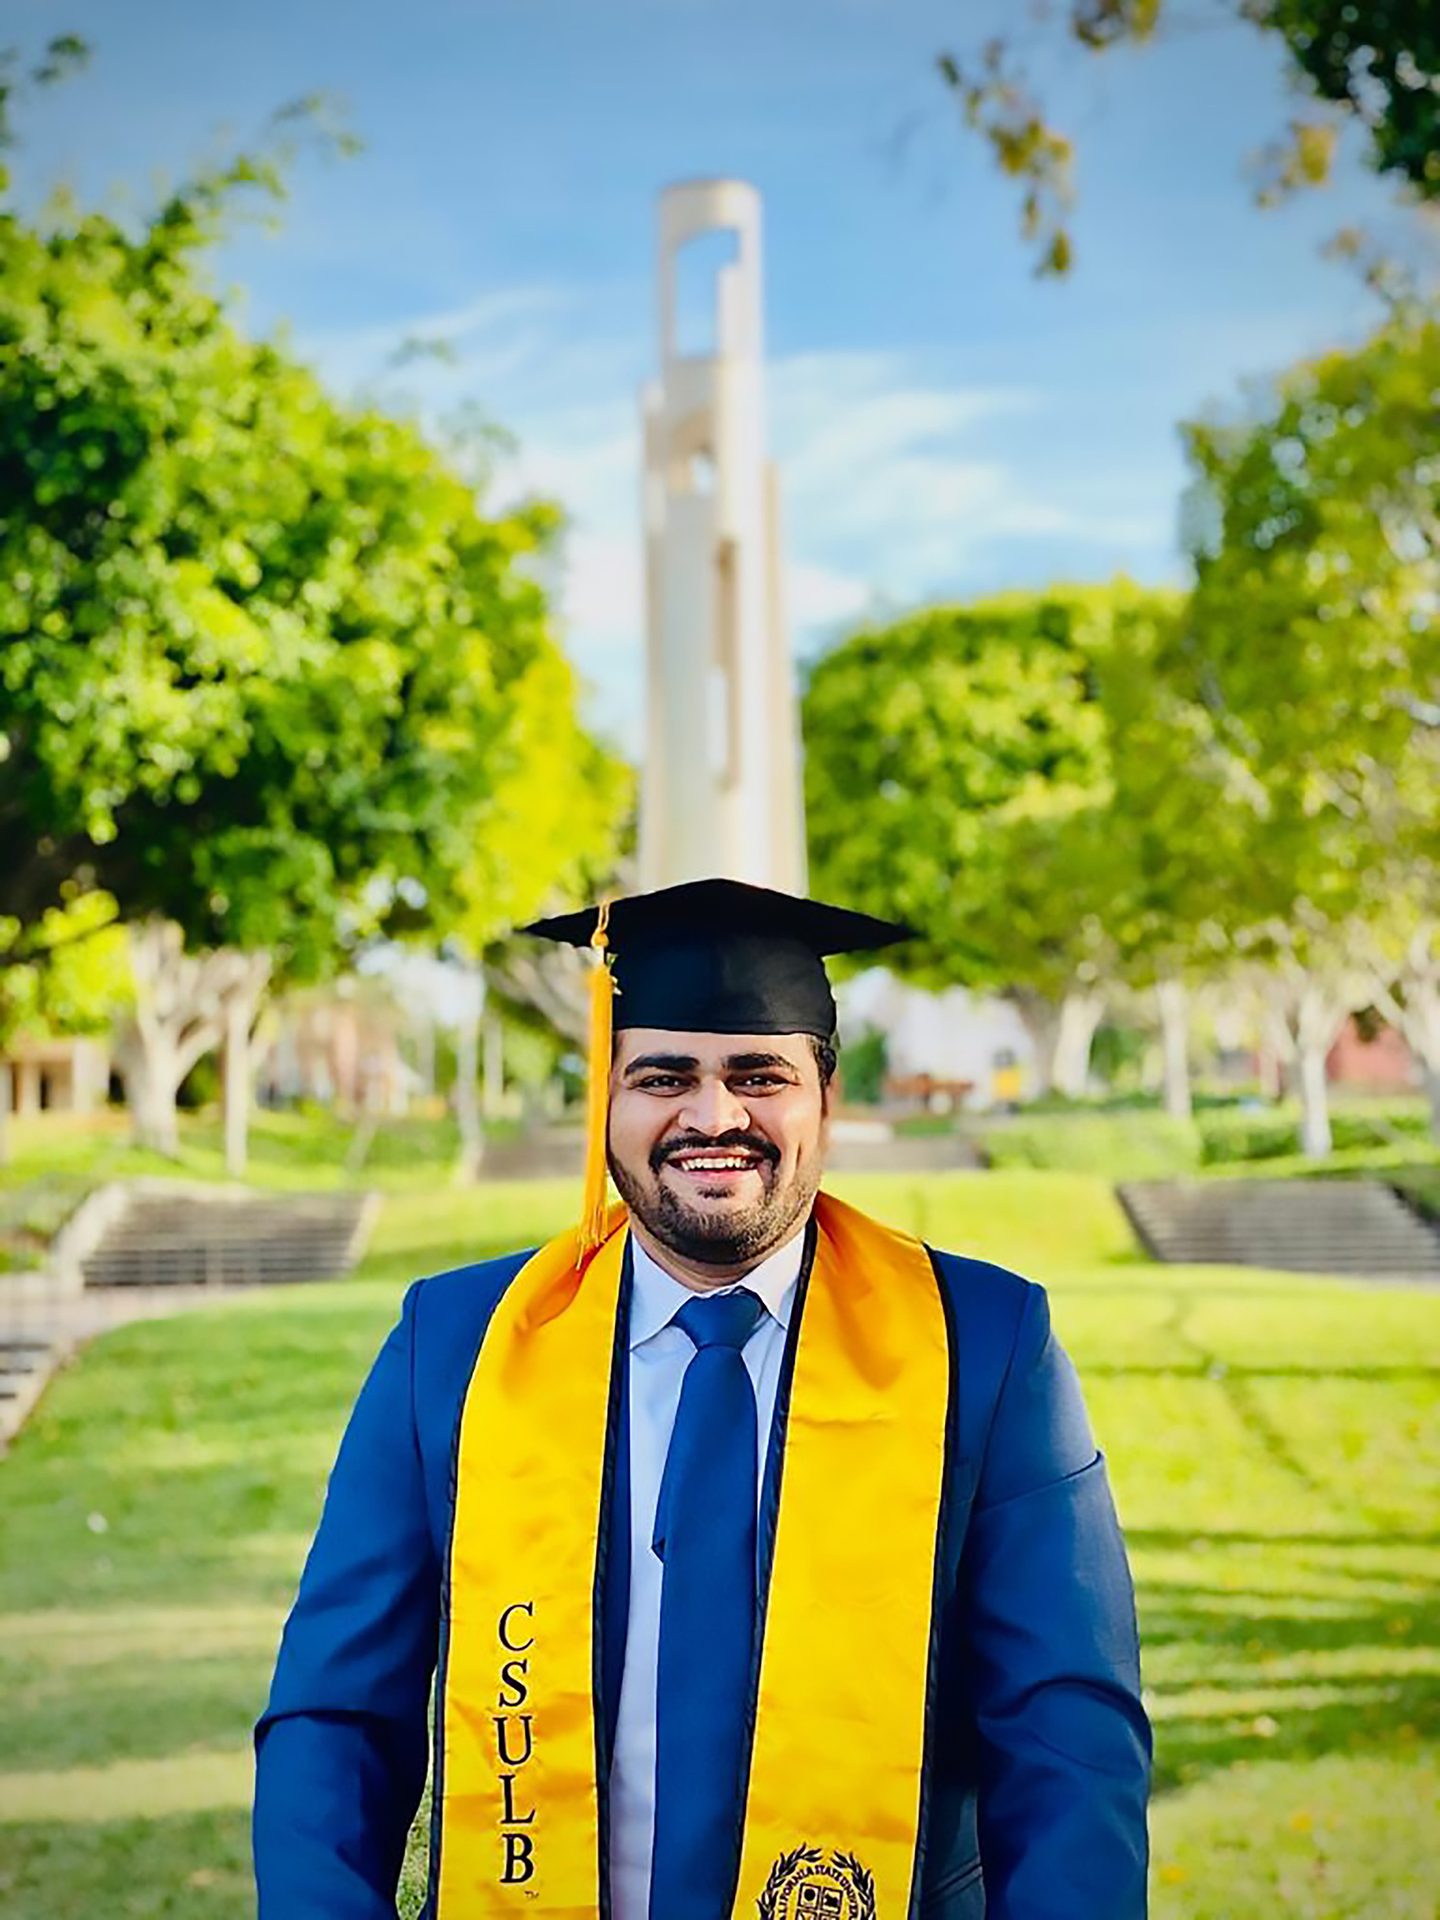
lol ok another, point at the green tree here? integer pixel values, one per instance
(1164, 880)
(1375, 66)
(536, 833)
(60, 976)
(1312, 649)
(980, 740)
(867, 1062)
(270, 671)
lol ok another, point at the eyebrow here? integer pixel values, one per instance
(687, 1063)
(667, 1062)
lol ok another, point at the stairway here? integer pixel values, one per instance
(169, 1238)
(26, 1363)
(1358, 1227)
(148, 1249)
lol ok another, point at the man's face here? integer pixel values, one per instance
(717, 1140)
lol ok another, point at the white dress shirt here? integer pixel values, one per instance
(659, 1355)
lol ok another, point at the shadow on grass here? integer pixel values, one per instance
(1250, 1674)
(149, 1711)
(192, 1866)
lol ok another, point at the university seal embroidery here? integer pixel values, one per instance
(805, 1885)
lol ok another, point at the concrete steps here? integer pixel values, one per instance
(226, 1240)
(26, 1363)
(147, 1249)
(1360, 1227)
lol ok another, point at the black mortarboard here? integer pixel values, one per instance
(719, 956)
(711, 956)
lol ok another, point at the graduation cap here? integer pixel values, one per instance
(710, 956)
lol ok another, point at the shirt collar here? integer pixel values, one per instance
(656, 1296)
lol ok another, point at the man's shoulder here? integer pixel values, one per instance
(460, 1298)
(999, 1323)
(449, 1314)
(981, 1294)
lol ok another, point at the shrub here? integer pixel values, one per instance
(1234, 1134)
(1122, 1145)
(1377, 1126)
(864, 1063)
(1421, 1187)
(1272, 1133)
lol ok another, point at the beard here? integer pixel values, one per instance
(721, 1235)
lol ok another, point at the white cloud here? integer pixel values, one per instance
(492, 338)
(1036, 519)
(898, 483)
(587, 459)
(898, 475)
(819, 596)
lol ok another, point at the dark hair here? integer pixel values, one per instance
(827, 1058)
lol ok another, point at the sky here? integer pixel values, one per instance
(945, 423)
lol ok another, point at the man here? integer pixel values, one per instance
(764, 1554)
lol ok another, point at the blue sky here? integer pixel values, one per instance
(945, 423)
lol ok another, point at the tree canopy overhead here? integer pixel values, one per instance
(1311, 646)
(1374, 66)
(963, 727)
(274, 676)
(264, 652)
(1025, 758)
(1315, 528)
(1020, 802)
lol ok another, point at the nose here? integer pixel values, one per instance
(713, 1109)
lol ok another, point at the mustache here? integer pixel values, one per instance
(722, 1143)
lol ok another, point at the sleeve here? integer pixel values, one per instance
(341, 1749)
(1064, 1743)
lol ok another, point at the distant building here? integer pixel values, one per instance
(340, 1046)
(1377, 1062)
(50, 1075)
(950, 1046)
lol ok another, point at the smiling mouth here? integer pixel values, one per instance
(716, 1163)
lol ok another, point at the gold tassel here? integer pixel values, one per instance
(593, 1208)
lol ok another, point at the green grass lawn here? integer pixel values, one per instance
(1274, 1444)
(55, 1159)
(306, 1148)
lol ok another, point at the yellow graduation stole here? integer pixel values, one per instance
(833, 1803)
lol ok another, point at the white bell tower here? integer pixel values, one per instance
(720, 790)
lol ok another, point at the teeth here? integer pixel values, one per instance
(715, 1163)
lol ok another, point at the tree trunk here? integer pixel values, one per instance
(425, 1056)
(1270, 1072)
(179, 1015)
(1041, 1020)
(1080, 1013)
(250, 974)
(1305, 1009)
(236, 1088)
(7, 1095)
(1429, 1080)
(1315, 1137)
(1409, 998)
(554, 982)
(152, 1066)
(493, 1072)
(1174, 1005)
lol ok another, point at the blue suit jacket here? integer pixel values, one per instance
(1034, 1799)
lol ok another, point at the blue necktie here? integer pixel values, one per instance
(705, 1534)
